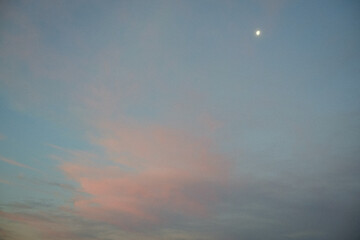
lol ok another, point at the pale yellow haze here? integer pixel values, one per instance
(257, 33)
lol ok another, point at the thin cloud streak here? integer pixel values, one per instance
(5, 181)
(12, 162)
(74, 153)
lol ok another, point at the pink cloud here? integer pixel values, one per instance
(162, 172)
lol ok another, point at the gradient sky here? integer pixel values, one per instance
(144, 120)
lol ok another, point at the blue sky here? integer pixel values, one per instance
(173, 120)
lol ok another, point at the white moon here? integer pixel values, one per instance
(257, 33)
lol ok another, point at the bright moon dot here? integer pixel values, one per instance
(258, 33)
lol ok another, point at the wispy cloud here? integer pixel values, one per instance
(63, 224)
(2, 137)
(159, 94)
(15, 163)
(78, 154)
(172, 173)
(4, 181)
(38, 181)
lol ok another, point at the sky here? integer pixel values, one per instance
(144, 120)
